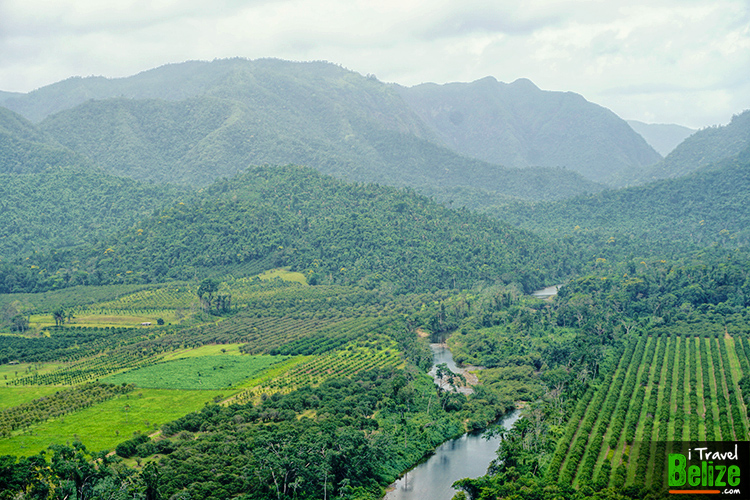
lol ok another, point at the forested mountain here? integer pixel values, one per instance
(64, 207)
(25, 149)
(292, 216)
(705, 147)
(337, 121)
(519, 125)
(663, 137)
(706, 207)
(204, 138)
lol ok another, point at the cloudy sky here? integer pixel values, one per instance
(658, 61)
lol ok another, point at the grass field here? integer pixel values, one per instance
(103, 426)
(100, 320)
(14, 396)
(200, 358)
(204, 372)
(283, 274)
(206, 350)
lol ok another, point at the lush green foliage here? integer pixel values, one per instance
(27, 150)
(65, 207)
(353, 436)
(292, 216)
(705, 208)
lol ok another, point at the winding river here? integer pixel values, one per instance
(466, 456)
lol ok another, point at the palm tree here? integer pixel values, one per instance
(59, 316)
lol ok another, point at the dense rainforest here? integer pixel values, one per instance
(292, 216)
(672, 216)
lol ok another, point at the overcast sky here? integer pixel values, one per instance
(658, 61)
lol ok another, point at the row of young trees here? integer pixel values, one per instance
(58, 404)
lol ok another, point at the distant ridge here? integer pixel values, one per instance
(316, 110)
(663, 137)
(703, 208)
(195, 122)
(519, 125)
(4, 96)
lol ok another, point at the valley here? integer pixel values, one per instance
(221, 280)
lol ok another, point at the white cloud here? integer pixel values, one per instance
(682, 61)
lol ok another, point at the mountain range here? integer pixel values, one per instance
(519, 125)
(197, 121)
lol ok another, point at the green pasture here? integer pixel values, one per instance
(103, 426)
(109, 318)
(206, 350)
(205, 372)
(284, 274)
(14, 396)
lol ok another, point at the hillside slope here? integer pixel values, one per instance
(344, 124)
(519, 125)
(335, 232)
(703, 148)
(25, 149)
(272, 112)
(706, 207)
(64, 207)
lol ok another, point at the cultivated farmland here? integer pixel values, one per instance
(678, 384)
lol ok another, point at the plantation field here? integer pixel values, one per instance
(677, 385)
(314, 370)
(280, 335)
(103, 426)
(77, 296)
(9, 373)
(203, 372)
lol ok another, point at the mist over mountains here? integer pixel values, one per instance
(663, 137)
(519, 125)
(196, 121)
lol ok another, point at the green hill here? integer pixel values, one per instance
(198, 121)
(25, 149)
(519, 125)
(703, 148)
(67, 207)
(342, 124)
(706, 207)
(334, 232)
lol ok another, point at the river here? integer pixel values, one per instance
(466, 456)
